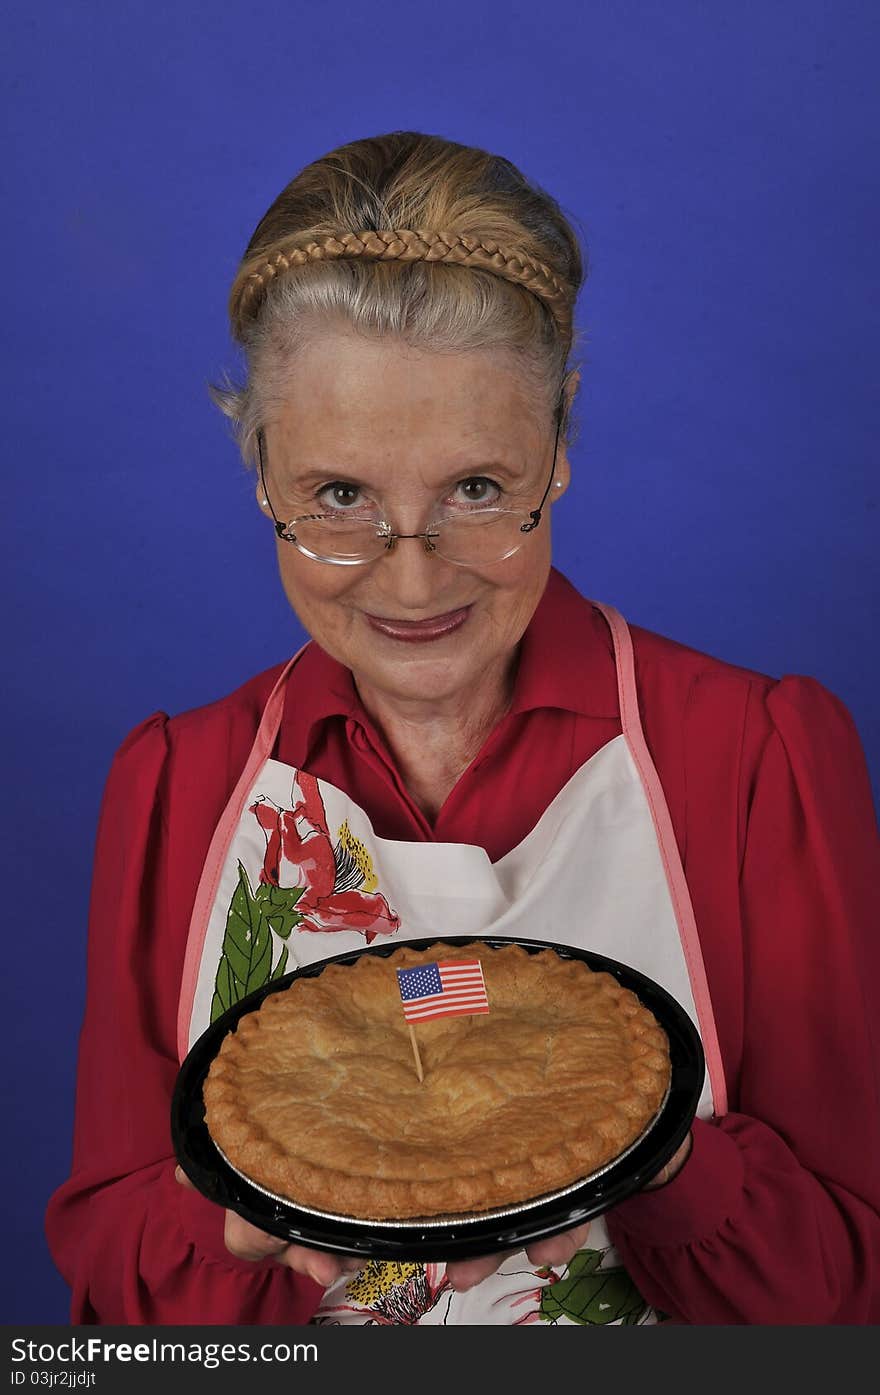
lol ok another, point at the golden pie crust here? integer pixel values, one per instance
(315, 1095)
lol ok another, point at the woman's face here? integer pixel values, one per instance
(373, 426)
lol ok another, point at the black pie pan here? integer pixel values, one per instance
(437, 1239)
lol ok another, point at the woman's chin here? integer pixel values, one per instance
(419, 676)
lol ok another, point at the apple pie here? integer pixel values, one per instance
(316, 1098)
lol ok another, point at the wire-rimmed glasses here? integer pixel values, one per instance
(478, 537)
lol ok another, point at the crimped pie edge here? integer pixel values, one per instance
(364, 1198)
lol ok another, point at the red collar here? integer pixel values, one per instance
(566, 661)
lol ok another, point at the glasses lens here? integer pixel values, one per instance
(479, 538)
(468, 540)
(343, 540)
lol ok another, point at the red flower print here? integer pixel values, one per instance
(298, 850)
(299, 853)
(349, 910)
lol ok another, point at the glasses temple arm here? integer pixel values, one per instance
(535, 514)
(280, 528)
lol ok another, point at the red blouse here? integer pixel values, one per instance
(774, 1218)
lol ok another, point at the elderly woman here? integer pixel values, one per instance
(406, 310)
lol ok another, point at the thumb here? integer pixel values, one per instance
(181, 1177)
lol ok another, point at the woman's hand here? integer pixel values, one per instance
(673, 1167)
(559, 1249)
(246, 1242)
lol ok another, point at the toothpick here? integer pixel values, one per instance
(416, 1057)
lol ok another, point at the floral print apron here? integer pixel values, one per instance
(295, 873)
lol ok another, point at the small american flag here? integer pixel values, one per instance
(442, 990)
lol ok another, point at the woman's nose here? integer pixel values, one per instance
(411, 576)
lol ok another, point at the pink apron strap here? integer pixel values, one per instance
(678, 888)
(261, 750)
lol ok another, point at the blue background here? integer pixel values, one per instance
(720, 164)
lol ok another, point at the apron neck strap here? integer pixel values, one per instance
(624, 662)
(267, 731)
(631, 723)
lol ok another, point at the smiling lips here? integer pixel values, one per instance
(420, 631)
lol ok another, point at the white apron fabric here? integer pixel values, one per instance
(599, 871)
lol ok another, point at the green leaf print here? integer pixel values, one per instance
(592, 1296)
(280, 966)
(246, 956)
(224, 991)
(276, 906)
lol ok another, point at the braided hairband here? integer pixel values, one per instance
(403, 245)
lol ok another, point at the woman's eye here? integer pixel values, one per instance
(339, 495)
(477, 489)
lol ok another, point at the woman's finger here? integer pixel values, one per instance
(247, 1242)
(323, 1269)
(558, 1249)
(466, 1273)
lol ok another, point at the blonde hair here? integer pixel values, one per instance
(443, 245)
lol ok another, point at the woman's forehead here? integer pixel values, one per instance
(344, 388)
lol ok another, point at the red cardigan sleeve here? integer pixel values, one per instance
(135, 1246)
(775, 1218)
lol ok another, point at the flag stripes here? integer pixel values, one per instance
(443, 990)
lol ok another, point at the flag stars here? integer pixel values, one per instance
(418, 983)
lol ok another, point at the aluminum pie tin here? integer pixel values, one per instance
(444, 1237)
(459, 1217)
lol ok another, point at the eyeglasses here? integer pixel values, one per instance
(477, 538)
